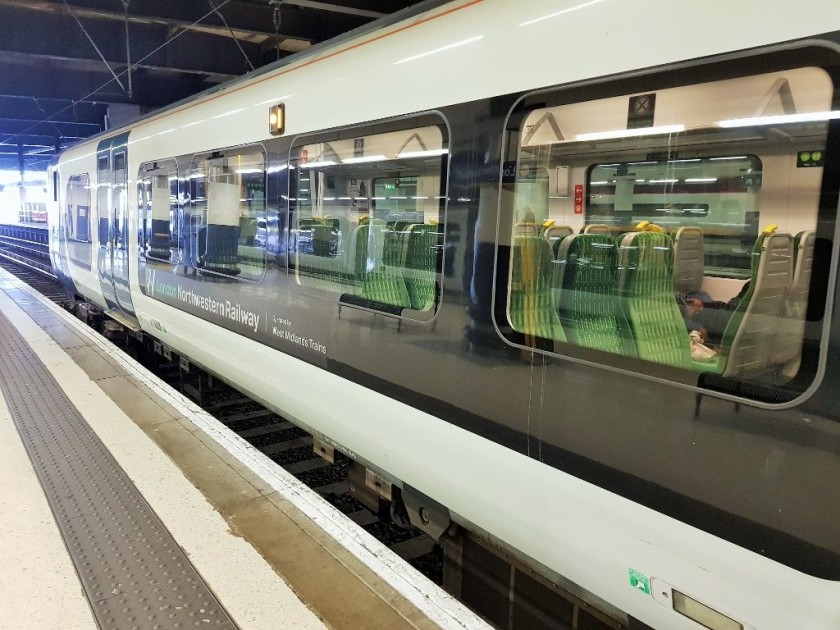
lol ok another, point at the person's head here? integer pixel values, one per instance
(528, 216)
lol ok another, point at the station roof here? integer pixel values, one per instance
(64, 63)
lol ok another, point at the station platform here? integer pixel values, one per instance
(124, 505)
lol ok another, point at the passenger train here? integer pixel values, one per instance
(562, 272)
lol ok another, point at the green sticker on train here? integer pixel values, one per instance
(809, 159)
(639, 581)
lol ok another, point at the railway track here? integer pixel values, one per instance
(287, 445)
(294, 450)
(27, 246)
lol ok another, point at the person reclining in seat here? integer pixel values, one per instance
(709, 316)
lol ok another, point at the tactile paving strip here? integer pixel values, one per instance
(133, 572)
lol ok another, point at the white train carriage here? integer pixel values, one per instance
(450, 252)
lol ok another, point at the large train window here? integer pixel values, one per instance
(673, 232)
(76, 220)
(223, 232)
(368, 209)
(159, 206)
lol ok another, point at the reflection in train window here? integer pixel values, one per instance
(77, 212)
(684, 239)
(718, 194)
(369, 212)
(119, 197)
(103, 197)
(220, 235)
(76, 220)
(159, 206)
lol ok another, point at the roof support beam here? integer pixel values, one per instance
(334, 8)
(79, 82)
(95, 47)
(32, 109)
(247, 30)
(230, 30)
(72, 63)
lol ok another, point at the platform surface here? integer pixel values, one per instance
(270, 560)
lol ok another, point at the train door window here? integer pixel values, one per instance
(120, 201)
(159, 206)
(227, 208)
(76, 220)
(368, 208)
(103, 196)
(673, 232)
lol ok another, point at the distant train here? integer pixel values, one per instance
(562, 272)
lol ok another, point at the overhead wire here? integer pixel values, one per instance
(127, 47)
(12, 139)
(277, 20)
(44, 112)
(95, 47)
(232, 34)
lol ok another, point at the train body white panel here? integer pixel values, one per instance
(595, 544)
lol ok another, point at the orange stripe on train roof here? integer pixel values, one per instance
(319, 59)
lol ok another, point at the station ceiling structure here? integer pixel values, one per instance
(72, 68)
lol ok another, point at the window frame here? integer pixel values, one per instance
(76, 245)
(70, 180)
(823, 279)
(144, 216)
(198, 162)
(404, 123)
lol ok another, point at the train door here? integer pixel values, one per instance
(58, 236)
(113, 260)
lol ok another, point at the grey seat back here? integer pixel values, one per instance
(749, 335)
(688, 259)
(554, 235)
(787, 343)
(557, 231)
(596, 228)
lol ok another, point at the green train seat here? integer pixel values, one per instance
(588, 303)
(381, 267)
(646, 287)
(530, 303)
(420, 267)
